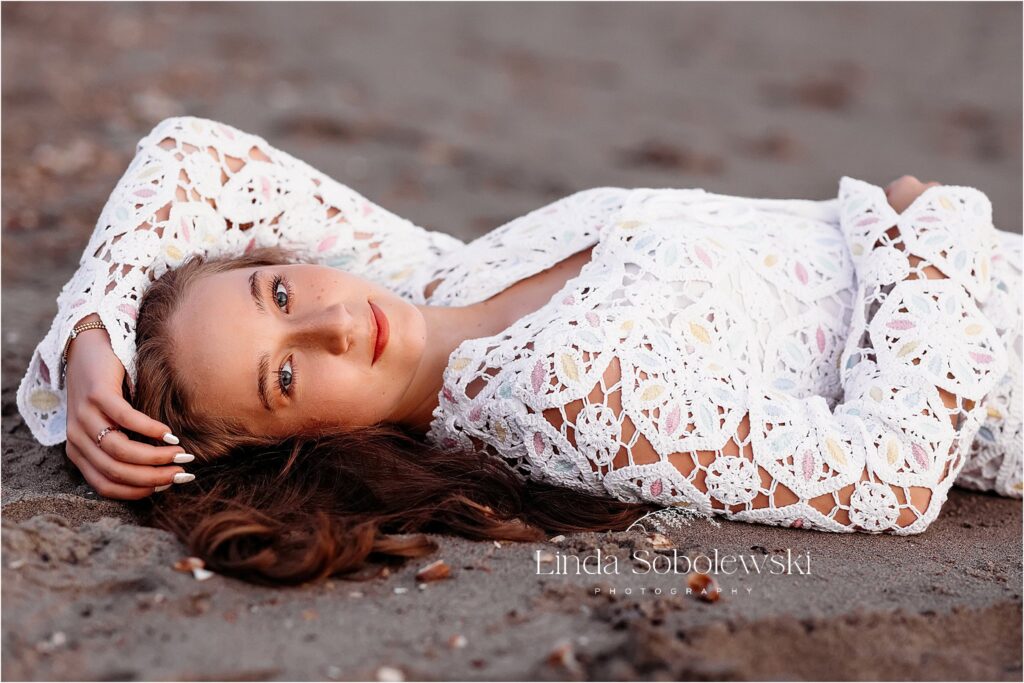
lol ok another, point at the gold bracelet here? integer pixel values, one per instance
(94, 325)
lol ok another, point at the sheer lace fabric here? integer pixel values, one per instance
(994, 462)
(705, 324)
(739, 361)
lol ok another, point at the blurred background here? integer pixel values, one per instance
(459, 117)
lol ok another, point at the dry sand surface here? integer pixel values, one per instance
(460, 118)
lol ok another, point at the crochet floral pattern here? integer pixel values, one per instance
(736, 358)
(779, 340)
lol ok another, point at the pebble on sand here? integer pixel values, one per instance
(435, 571)
(390, 674)
(704, 587)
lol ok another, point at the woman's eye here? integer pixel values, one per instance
(281, 295)
(284, 376)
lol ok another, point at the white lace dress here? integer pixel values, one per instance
(736, 356)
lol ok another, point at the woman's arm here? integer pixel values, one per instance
(200, 187)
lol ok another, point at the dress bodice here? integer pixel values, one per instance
(672, 269)
(684, 289)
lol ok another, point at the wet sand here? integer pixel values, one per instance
(461, 118)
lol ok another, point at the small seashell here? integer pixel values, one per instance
(401, 590)
(435, 571)
(187, 564)
(390, 674)
(497, 544)
(563, 656)
(457, 641)
(355, 594)
(660, 541)
(16, 564)
(556, 539)
(704, 587)
(200, 574)
(56, 640)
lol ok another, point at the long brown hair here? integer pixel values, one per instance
(317, 505)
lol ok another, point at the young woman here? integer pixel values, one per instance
(336, 375)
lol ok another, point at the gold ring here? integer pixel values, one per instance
(106, 430)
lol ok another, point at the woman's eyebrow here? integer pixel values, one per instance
(262, 372)
(254, 290)
(263, 366)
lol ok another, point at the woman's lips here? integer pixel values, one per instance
(381, 332)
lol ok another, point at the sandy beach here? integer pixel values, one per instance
(461, 117)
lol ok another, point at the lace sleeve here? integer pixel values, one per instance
(919, 359)
(995, 461)
(197, 186)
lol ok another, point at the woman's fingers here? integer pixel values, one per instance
(122, 413)
(101, 484)
(124, 473)
(119, 446)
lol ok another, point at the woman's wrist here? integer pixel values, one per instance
(87, 325)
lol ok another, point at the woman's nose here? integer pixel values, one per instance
(330, 328)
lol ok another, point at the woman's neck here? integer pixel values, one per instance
(446, 328)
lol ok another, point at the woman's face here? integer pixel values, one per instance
(288, 349)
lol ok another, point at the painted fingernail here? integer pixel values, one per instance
(183, 477)
(171, 439)
(158, 489)
(182, 458)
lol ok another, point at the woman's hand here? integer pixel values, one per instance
(116, 467)
(904, 190)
